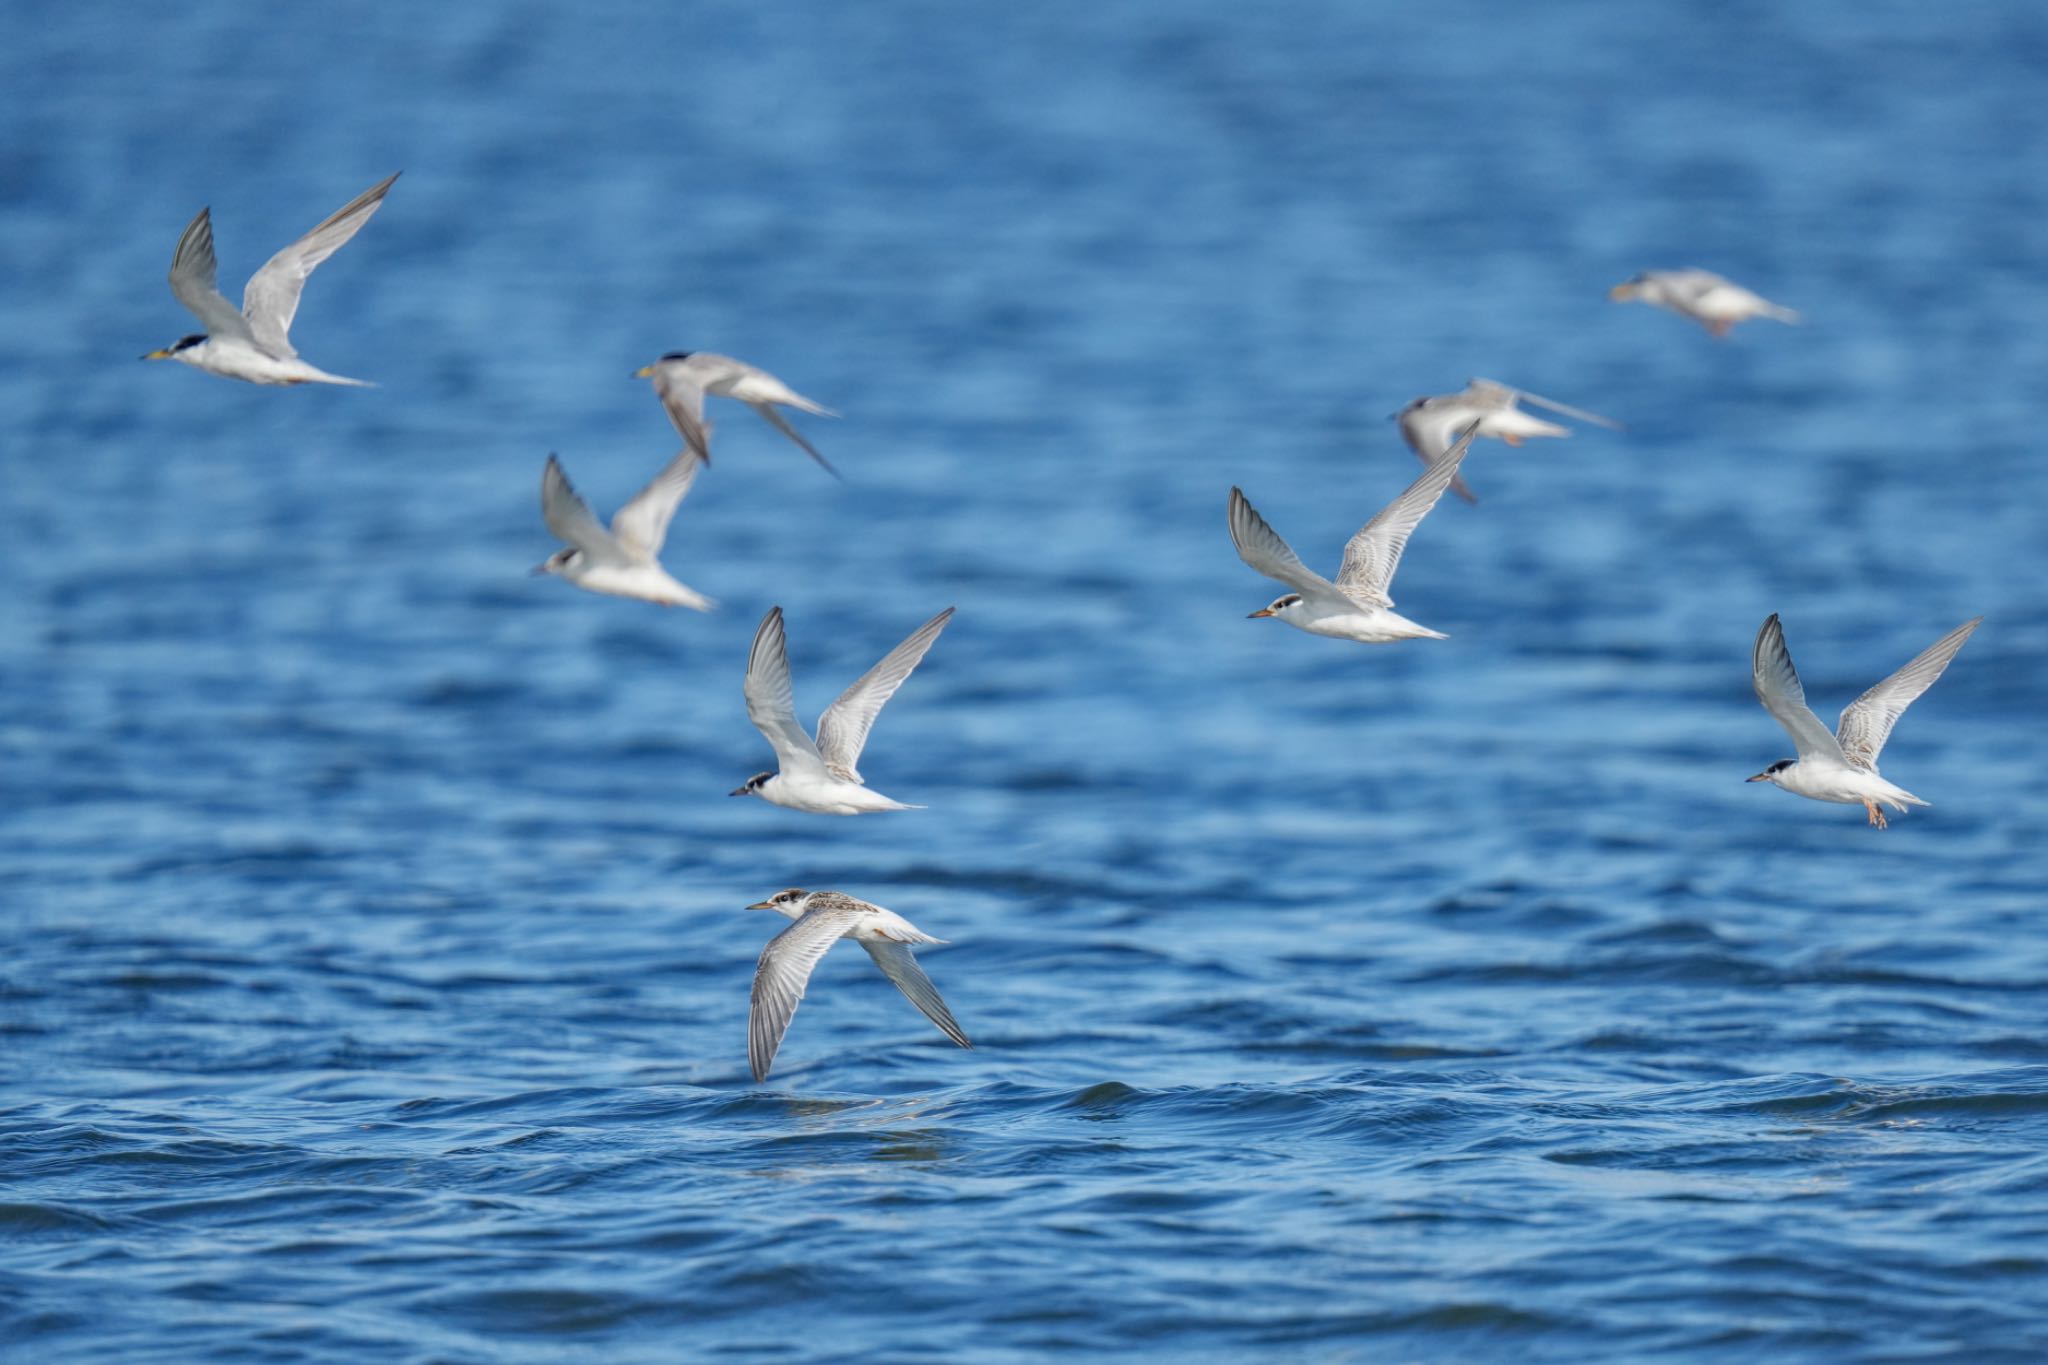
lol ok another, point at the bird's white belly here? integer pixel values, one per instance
(1375, 627)
(825, 795)
(1514, 422)
(642, 582)
(251, 366)
(1843, 785)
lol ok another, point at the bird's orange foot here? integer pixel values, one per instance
(1512, 439)
(1876, 815)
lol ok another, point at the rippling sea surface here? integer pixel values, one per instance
(373, 972)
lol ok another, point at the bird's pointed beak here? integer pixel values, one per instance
(758, 905)
(643, 372)
(1262, 611)
(742, 791)
(1760, 777)
(537, 570)
(160, 353)
(1621, 292)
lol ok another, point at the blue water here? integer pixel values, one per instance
(373, 973)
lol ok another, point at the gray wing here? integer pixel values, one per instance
(192, 281)
(681, 391)
(843, 729)
(1375, 552)
(642, 524)
(570, 517)
(781, 424)
(271, 300)
(1427, 426)
(1777, 687)
(1563, 409)
(771, 703)
(1260, 546)
(899, 964)
(779, 980)
(1867, 722)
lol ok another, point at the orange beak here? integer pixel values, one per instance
(1262, 611)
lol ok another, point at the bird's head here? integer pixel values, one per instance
(752, 786)
(1772, 773)
(647, 371)
(1280, 606)
(559, 561)
(790, 902)
(177, 350)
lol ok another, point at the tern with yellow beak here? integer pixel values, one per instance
(253, 344)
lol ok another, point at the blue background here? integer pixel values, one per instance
(372, 969)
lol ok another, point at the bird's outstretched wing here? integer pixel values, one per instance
(681, 391)
(271, 300)
(843, 728)
(569, 517)
(1375, 552)
(900, 966)
(771, 703)
(1260, 546)
(1428, 426)
(779, 980)
(1562, 409)
(192, 281)
(781, 424)
(1777, 687)
(1867, 722)
(642, 524)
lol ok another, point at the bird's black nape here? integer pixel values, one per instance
(186, 343)
(678, 355)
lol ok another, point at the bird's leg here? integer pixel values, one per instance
(1719, 328)
(1512, 439)
(1876, 815)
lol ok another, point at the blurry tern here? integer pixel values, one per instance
(683, 378)
(1356, 606)
(822, 919)
(1713, 302)
(821, 776)
(1842, 767)
(252, 344)
(1430, 425)
(624, 560)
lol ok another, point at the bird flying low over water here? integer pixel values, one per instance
(822, 919)
(624, 561)
(1430, 425)
(1713, 302)
(820, 776)
(1356, 605)
(1842, 767)
(683, 378)
(252, 344)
